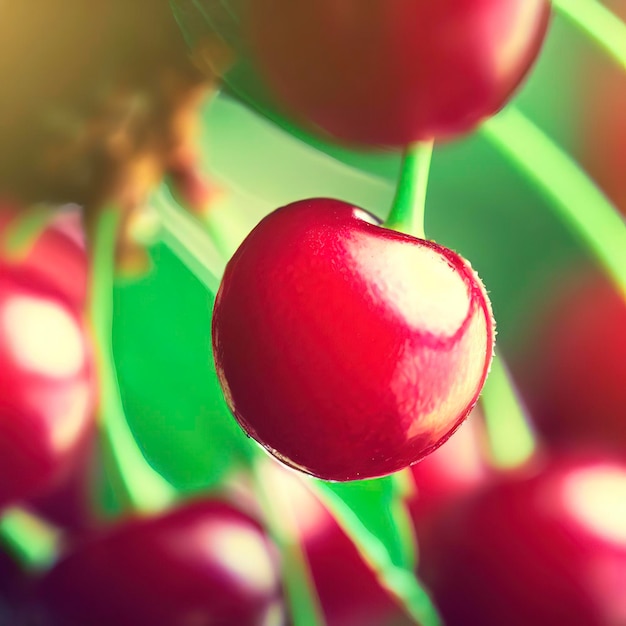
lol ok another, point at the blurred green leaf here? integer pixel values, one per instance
(162, 343)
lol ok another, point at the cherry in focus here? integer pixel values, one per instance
(391, 72)
(545, 546)
(346, 349)
(204, 563)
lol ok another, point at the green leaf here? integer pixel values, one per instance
(374, 503)
(173, 402)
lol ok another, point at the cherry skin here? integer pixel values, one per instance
(47, 385)
(391, 72)
(346, 349)
(543, 547)
(204, 563)
(573, 371)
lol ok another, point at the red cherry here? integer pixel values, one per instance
(346, 349)
(57, 254)
(573, 372)
(392, 72)
(542, 547)
(46, 387)
(204, 563)
(451, 472)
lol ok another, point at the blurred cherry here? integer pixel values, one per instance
(389, 72)
(56, 254)
(573, 368)
(202, 564)
(543, 545)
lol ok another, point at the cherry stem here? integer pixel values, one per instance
(34, 542)
(298, 583)
(401, 583)
(575, 197)
(135, 482)
(599, 23)
(24, 230)
(407, 211)
(511, 438)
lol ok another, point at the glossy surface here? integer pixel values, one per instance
(390, 72)
(544, 547)
(573, 373)
(346, 349)
(47, 387)
(203, 564)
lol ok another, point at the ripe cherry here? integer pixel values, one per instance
(346, 349)
(394, 72)
(204, 563)
(573, 371)
(546, 546)
(57, 254)
(46, 386)
(451, 472)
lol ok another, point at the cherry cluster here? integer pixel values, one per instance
(348, 349)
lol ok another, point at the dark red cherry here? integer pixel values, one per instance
(573, 371)
(544, 546)
(46, 388)
(391, 72)
(202, 564)
(346, 349)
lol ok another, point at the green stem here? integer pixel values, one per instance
(575, 198)
(137, 484)
(399, 582)
(598, 23)
(511, 438)
(300, 589)
(405, 488)
(407, 212)
(34, 542)
(24, 229)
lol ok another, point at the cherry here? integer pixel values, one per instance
(203, 563)
(451, 472)
(57, 254)
(46, 387)
(573, 370)
(391, 73)
(346, 349)
(542, 546)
